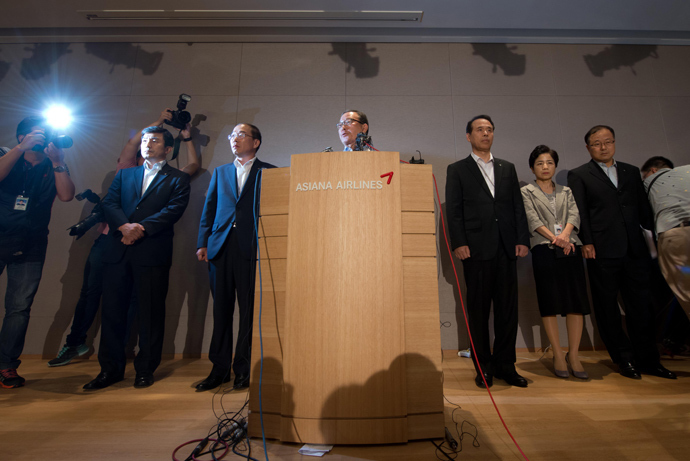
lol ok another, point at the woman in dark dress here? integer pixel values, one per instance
(559, 273)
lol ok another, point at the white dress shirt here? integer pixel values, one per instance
(611, 172)
(487, 170)
(243, 172)
(150, 173)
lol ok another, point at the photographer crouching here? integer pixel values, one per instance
(32, 174)
(92, 287)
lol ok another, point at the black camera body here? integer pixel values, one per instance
(180, 117)
(96, 216)
(60, 141)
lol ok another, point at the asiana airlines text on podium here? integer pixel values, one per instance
(344, 185)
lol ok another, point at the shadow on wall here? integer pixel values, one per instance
(118, 53)
(356, 55)
(200, 140)
(72, 280)
(561, 177)
(4, 69)
(501, 55)
(444, 260)
(616, 56)
(43, 56)
(188, 277)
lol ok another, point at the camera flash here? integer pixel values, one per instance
(58, 116)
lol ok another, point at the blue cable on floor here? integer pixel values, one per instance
(259, 178)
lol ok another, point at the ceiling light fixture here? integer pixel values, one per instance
(251, 15)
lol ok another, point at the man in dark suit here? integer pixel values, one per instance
(227, 241)
(488, 232)
(141, 207)
(613, 205)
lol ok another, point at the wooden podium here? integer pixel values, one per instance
(348, 289)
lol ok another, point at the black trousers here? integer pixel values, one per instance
(150, 284)
(232, 278)
(631, 278)
(493, 280)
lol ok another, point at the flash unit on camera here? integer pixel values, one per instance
(58, 116)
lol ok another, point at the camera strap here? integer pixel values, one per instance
(176, 147)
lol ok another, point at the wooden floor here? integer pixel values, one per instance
(607, 418)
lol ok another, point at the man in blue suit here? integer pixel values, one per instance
(227, 241)
(141, 207)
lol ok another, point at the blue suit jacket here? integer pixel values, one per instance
(161, 206)
(225, 207)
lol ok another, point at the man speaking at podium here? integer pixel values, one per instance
(227, 241)
(354, 124)
(488, 232)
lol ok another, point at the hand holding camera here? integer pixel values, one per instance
(166, 116)
(55, 154)
(32, 140)
(187, 132)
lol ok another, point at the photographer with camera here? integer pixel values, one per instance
(169, 117)
(92, 287)
(32, 174)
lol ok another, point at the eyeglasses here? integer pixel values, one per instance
(599, 145)
(240, 135)
(347, 122)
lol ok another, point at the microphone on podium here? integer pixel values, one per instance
(363, 140)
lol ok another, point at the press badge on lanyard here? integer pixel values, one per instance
(21, 203)
(558, 228)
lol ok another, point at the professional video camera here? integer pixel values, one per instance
(60, 141)
(91, 220)
(180, 117)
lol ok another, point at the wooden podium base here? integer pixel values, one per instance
(347, 302)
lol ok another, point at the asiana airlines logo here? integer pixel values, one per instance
(345, 185)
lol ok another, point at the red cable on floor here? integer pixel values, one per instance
(464, 312)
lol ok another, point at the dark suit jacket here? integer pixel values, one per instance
(225, 207)
(158, 210)
(610, 216)
(477, 219)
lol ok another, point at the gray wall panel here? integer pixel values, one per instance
(418, 96)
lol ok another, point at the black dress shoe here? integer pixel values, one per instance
(212, 382)
(142, 381)
(514, 379)
(241, 382)
(103, 380)
(480, 382)
(660, 371)
(628, 370)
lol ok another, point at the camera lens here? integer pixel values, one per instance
(184, 117)
(63, 142)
